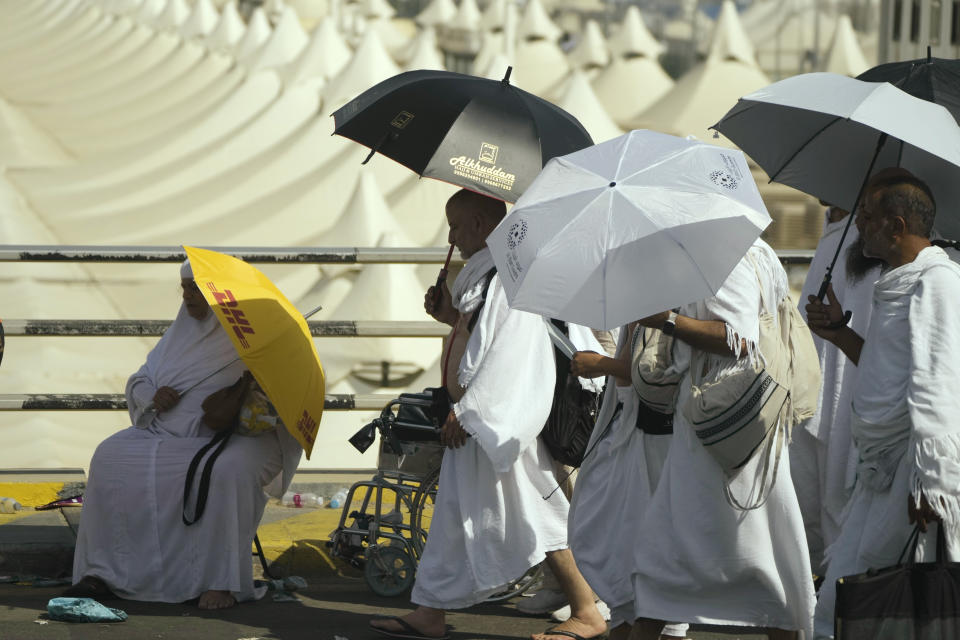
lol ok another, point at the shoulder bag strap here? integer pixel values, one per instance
(220, 439)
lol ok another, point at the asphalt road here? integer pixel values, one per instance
(329, 609)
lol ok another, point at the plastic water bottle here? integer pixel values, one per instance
(9, 505)
(338, 499)
(291, 499)
(308, 499)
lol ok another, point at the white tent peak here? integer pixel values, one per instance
(323, 57)
(173, 15)
(634, 38)
(536, 24)
(366, 218)
(377, 9)
(579, 99)
(438, 12)
(494, 16)
(497, 67)
(591, 51)
(425, 54)
(369, 65)
(468, 16)
(202, 20)
(149, 11)
(845, 55)
(730, 41)
(229, 29)
(257, 34)
(283, 46)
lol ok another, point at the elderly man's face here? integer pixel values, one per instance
(466, 232)
(193, 300)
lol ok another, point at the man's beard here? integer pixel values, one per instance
(859, 265)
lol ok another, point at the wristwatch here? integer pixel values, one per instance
(670, 324)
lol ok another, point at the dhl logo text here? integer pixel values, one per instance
(230, 308)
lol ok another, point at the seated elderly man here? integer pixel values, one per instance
(490, 522)
(905, 405)
(133, 542)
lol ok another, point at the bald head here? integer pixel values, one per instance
(472, 217)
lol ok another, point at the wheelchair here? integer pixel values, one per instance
(387, 545)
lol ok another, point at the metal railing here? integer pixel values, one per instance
(153, 328)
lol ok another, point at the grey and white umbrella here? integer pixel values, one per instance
(824, 134)
(627, 228)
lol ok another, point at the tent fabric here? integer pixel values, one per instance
(633, 37)
(845, 56)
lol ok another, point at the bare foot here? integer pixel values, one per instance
(589, 626)
(424, 620)
(216, 600)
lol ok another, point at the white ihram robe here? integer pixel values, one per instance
(822, 456)
(613, 488)
(132, 535)
(697, 559)
(490, 522)
(905, 409)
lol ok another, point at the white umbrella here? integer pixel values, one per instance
(628, 228)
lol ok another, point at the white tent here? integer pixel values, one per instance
(579, 100)
(494, 16)
(786, 32)
(24, 144)
(437, 13)
(535, 23)
(366, 220)
(257, 33)
(425, 54)
(323, 57)
(468, 17)
(706, 92)
(283, 46)
(229, 30)
(633, 37)
(591, 53)
(173, 15)
(202, 21)
(370, 64)
(629, 86)
(845, 56)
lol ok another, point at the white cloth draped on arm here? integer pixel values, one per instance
(501, 411)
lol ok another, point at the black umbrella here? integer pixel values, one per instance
(485, 135)
(931, 79)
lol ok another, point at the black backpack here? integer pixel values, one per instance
(573, 414)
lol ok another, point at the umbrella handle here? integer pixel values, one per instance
(442, 277)
(856, 203)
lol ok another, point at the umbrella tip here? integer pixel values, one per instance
(613, 184)
(506, 77)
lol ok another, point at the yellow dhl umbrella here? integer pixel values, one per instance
(270, 335)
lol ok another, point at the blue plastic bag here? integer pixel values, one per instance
(82, 610)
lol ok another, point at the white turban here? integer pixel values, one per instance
(186, 272)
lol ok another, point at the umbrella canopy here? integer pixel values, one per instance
(823, 133)
(932, 79)
(270, 336)
(627, 228)
(485, 135)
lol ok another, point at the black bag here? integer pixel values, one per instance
(573, 414)
(908, 601)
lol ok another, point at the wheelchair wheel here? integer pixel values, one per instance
(422, 513)
(389, 571)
